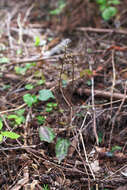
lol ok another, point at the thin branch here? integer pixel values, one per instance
(11, 110)
(117, 113)
(103, 94)
(112, 89)
(102, 30)
(93, 104)
(86, 157)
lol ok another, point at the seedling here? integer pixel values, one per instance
(30, 99)
(50, 106)
(45, 95)
(107, 8)
(17, 117)
(115, 148)
(37, 41)
(29, 86)
(61, 148)
(41, 119)
(22, 70)
(40, 82)
(57, 11)
(8, 134)
(45, 187)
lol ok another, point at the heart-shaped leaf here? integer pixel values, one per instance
(61, 148)
(109, 12)
(29, 99)
(45, 95)
(46, 134)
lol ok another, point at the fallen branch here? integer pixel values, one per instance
(102, 30)
(102, 94)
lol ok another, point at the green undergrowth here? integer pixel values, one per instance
(108, 8)
(46, 133)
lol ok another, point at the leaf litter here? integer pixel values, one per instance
(86, 78)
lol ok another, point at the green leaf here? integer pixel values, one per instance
(61, 148)
(38, 73)
(48, 109)
(10, 134)
(86, 72)
(29, 99)
(102, 8)
(45, 187)
(41, 119)
(101, 2)
(20, 112)
(4, 60)
(58, 10)
(45, 95)
(64, 83)
(114, 148)
(46, 134)
(18, 119)
(37, 41)
(40, 82)
(50, 104)
(100, 136)
(89, 50)
(89, 83)
(6, 86)
(2, 46)
(30, 65)
(1, 137)
(29, 86)
(12, 116)
(1, 123)
(19, 51)
(55, 105)
(20, 70)
(113, 2)
(108, 13)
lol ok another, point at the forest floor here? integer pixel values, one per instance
(63, 86)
